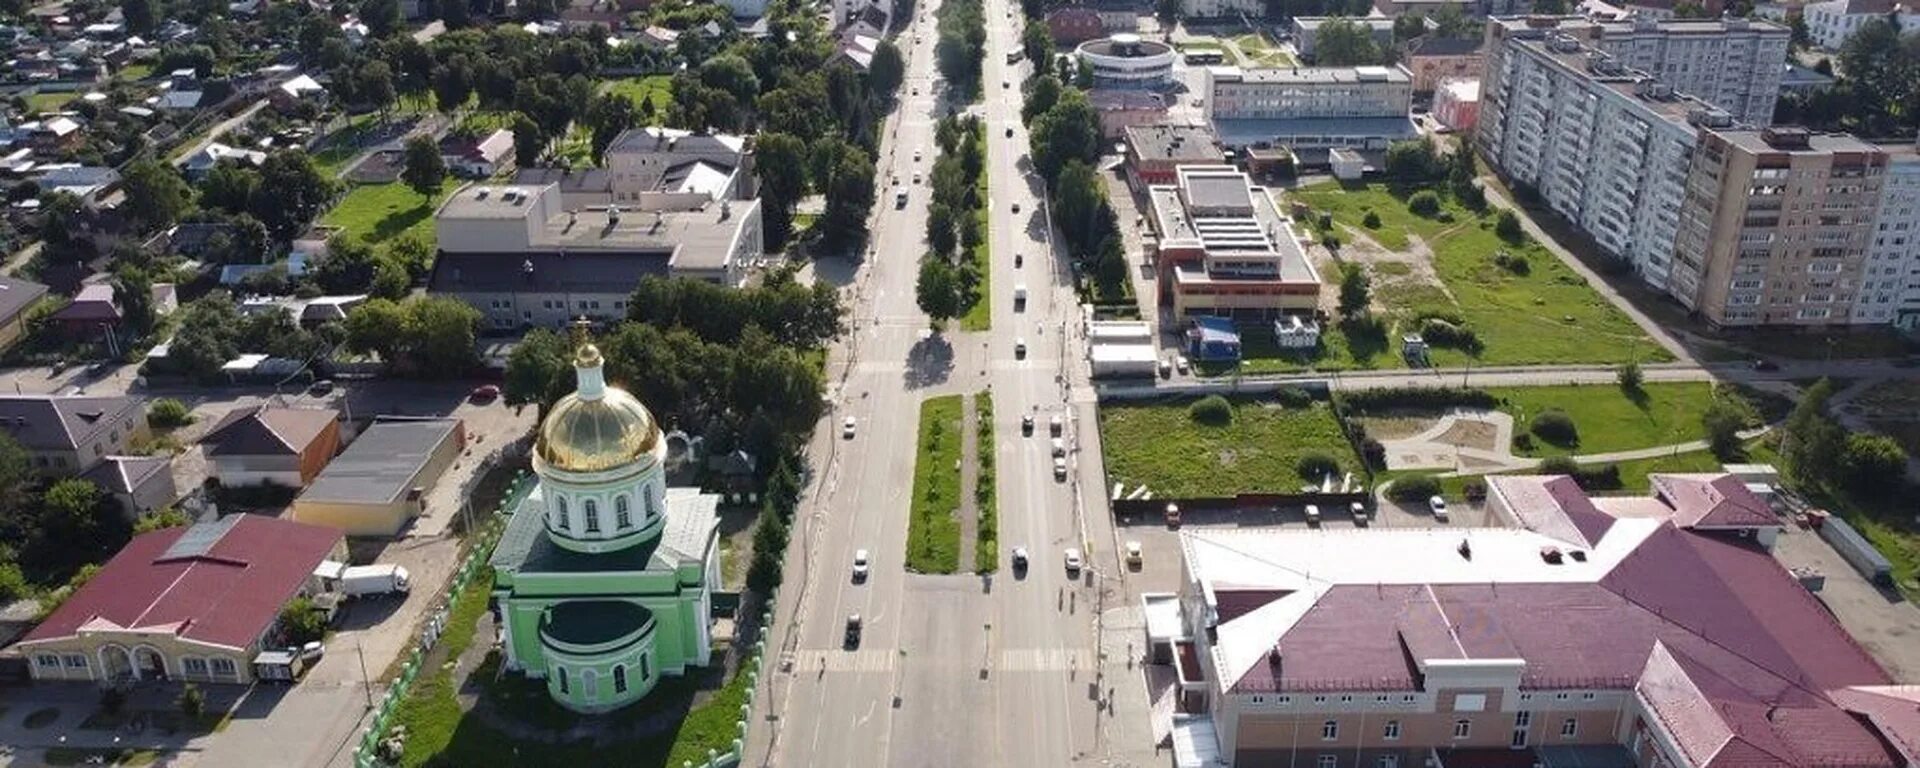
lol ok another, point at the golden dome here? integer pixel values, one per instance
(598, 427)
(581, 435)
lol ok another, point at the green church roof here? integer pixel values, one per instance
(592, 622)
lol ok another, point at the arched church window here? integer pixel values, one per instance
(560, 507)
(622, 513)
(619, 678)
(592, 511)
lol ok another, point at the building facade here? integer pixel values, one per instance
(68, 434)
(1432, 60)
(381, 482)
(1734, 64)
(604, 578)
(665, 169)
(1829, 24)
(1606, 147)
(1225, 250)
(1890, 280)
(1309, 107)
(1126, 61)
(1210, 9)
(1777, 227)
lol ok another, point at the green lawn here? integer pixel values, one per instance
(986, 555)
(1160, 445)
(134, 72)
(1633, 474)
(48, 102)
(1547, 315)
(1608, 420)
(658, 87)
(1260, 51)
(1338, 351)
(933, 532)
(377, 213)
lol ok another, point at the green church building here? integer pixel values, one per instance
(604, 577)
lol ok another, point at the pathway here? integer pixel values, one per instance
(1442, 447)
(969, 511)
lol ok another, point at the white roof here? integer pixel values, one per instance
(1123, 353)
(1195, 743)
(329, 569)
(1162, 613)
(244, 363)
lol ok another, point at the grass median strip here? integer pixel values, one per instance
(933, 531)
(986, 556)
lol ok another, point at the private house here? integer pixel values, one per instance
(198, 164)
(93, 311)
(477, 157)
(17, 297)
(1074, 24)
(380, 482)
(296, 91)
(856, 50)
(184, 604)
(68, 434)
(91, 184)
(141, 484)
(1648, 631)
(262, 444)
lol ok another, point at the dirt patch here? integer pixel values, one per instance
(1894, 399)
(1396, 426)
(1403, 274)
(1465, 433)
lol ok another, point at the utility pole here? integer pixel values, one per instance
(366, 682)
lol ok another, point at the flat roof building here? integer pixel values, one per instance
(1734, 64)
(1309, 107)
(1226, 250)
(1154, 152)
(380, 482)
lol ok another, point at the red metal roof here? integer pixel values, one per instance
(227, 594)
(1712, 501)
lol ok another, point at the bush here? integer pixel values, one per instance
(1424, 203)
(192, 702)
(1476, 490)
(1874, 462)
(1371, 220)
(1513, 262)
(1605, 477)
(1373, 453)
(1559, 465)
(168, 413)
(1418, 398)
(1293, 397)
(1315, 466)
(1630, 376)
(1507, 226)
(302, 622)
(1472, 196)
(1414, 488)
(1523, 442)
(1555, 426)
(1441, 333)
(1212, 410)
(1724, 418)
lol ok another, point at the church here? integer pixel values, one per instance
(605, 576)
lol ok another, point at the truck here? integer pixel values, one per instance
(1857, 551)
(370, 580)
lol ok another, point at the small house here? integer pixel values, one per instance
(477, 157)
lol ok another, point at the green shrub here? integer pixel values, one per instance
(1475, 489)
(1371, 220)
(1555, 426)
(1605, 477)
(1414, 488)
(1874, 462)
(1293, 397)
(1314, 467)
(1507, 226)
(1513, 262)
(1559, 465)
(1523, 442)
(1630, 376)
(1373, 453)
(1424, 203)
(1441, 333)
(302, 621)
(1418, 398)
(168, 413)
(1212, 410)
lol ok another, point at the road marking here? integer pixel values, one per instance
(1044, 659)
(839, 662)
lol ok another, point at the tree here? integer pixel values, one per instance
(938, 290)
(539, 370)
(1356, 290)
(849, 194)
(1874, 463)
(1343, 42)
(382, 18)
(1507, 226)
(453, 81)
(291, 193)
(1069, 130)
(888, 69)
(133, 290)
(156, 195)
(1424, 203)
(229, 187)
(1555, 426)
(425, 170)
(1036, 43)
(529, 141)
(1413, 160)
(1811, 443)
(373, 84)
(780, 160)
(1408, 27)
(1168, 11)
(168, 413)
(302, 622)
(168, 517)
(141, 16)
(1630, 377)
(192, 702)
(1688, 9)
(1042, 93)
(1722, 421)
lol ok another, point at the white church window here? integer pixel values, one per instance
(592, 511)
(560, 508)
(622, 514)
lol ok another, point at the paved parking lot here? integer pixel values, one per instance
(1886, 624)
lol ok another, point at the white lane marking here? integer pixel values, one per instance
(1044, 659)
(843, 662)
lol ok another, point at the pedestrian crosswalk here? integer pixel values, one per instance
(874, 661)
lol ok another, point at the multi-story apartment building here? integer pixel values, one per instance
(1890, 279)
(1605, 146)
(1225, 249)
(1734, 64)
(1620, 631)
(1309, 107)
(1776, 227)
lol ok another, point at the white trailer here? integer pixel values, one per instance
(366, 580)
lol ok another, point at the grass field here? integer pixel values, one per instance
(1262, 52)
(377, 213)
(1338, 351)
(933, 532)
(1608, 419)
(1160, 445)
(1547, 315)
(48, 102)
(986, 556)
(657, 87)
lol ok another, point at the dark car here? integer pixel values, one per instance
(1026, 425)
(321, 387)
(853, 631)
(1763, 364)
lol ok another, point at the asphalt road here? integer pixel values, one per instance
(961, 670)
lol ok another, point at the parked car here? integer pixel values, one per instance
(1059, 447)
(1026, 425)
(1020, 559)
(1016, 207)
(1133, 554)
(1055, 426)
(1181, 364)
(484, 393)
(859, 565)
(1019, 349)
(1059, 468)
(1438, 506)
(1359, 512)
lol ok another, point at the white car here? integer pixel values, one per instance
(859, 565)
(1073, 560)
(1181, 364)
(847, 427)
(1059, 468)
(1438, 506)
(1020, 558)
(916, 155)
(1134, 557)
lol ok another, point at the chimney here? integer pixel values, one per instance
(1466, 549)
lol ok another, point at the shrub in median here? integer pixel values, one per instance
(1414, 488)
(1555, 426)
(1212, 410)
(1293, 397)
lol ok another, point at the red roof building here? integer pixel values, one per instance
(1645, 638)
(192, 603)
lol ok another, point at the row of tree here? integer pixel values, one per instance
(949, 281)
(962, 44)
(1065, 145)
(1878, 93)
